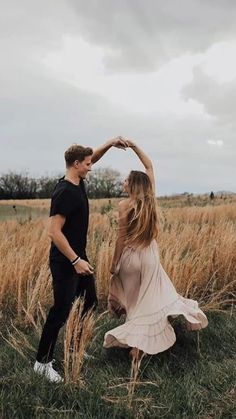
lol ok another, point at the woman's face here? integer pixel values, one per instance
(126, 186)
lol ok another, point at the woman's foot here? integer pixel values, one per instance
(136, 354)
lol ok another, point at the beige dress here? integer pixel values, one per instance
(141, 289)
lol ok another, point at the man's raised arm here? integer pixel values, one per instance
(117, 142)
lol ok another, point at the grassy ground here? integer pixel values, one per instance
(178, 201)
(193, 379)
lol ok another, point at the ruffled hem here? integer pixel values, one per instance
(153, 333)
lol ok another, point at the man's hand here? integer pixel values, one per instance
(119, 142)
(82, 267)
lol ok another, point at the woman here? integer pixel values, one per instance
(140, 288)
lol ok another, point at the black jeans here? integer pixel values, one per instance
(67, 286)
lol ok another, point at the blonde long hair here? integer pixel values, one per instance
(142, 220)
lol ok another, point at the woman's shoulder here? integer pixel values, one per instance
(124, 207)
(124, 204)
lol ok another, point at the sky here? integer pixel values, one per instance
(162, 73)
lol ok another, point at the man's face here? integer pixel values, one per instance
(83, 167)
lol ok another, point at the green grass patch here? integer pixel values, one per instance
(21, 213)
(193, 379)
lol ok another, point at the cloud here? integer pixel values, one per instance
(141, 36)
(41, 114)
(218, 99)
(218, 143)
(136, 36)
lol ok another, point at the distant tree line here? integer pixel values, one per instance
(104, 183)
(101, 183)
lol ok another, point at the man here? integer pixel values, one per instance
(71, 271)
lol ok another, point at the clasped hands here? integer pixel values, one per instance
(122, 142)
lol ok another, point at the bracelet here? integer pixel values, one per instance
(75, 260)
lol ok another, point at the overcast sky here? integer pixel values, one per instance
(160, 72)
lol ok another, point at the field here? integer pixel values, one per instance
(193, 379)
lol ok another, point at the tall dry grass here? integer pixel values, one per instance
(77, 337)
(25, 286)
(197, 248)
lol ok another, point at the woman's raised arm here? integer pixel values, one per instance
(146, 161)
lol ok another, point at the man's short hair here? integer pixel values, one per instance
(76, 152)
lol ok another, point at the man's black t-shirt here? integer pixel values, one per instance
(71, 201)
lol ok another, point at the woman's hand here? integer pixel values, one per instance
(130, 143)
(112, 271)
(113, 268)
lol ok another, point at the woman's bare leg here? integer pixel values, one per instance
(136, 353)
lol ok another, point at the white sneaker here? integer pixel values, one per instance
(48, 371)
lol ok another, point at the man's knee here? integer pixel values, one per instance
(58, 315)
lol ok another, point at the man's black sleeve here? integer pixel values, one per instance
(62, 203)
